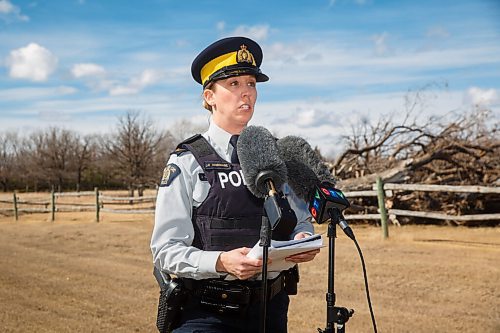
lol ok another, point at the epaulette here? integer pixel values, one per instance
(190, 140)
(181, 148)
(178, 151)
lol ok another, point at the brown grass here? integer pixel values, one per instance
(75, 275)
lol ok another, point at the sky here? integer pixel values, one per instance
(333, 64)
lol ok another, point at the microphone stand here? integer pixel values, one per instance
(265, 242)
(273, 214)
(271, 217)
(334, 315)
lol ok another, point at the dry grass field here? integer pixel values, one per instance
(76, 275)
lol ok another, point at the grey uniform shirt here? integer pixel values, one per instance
(173, 230)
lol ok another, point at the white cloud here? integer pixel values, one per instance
(6, 7)
(87, 70)
(32, 62)
(147, 78)
(380, 44)
(327, 121)
(178, 43)
(123, 90)
(257, 32)
(160, 106)
(35, 93)
(54, 116)
(8, 11)
(338, 62)
(65, 90)
(220, 26)
(298, 53)
(98, 79)
(478, 96)
(331, 3)
(437, 32)
(312, 117)
(102, 84)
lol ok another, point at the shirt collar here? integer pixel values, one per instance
(219, 137)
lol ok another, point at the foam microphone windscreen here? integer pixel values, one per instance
(300, 178)
(258, 153)
(297, 149)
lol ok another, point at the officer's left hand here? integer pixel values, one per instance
(304, 256)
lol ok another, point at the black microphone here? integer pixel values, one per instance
(311, 180)
(264, 173)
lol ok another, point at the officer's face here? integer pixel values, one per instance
(233, 101)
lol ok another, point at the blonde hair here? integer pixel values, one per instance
(204, 103)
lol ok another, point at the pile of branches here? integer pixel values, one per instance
(460, 149)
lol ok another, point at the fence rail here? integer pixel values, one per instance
(100, 204)
(442, 188)
(440, 216)
(137, 199)
(75, 194)
(380, 190)
(128, 211)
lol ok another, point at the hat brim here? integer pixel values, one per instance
(226, 72)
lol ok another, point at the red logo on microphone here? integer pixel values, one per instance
(314, 212)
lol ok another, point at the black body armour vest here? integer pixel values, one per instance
(231, 216)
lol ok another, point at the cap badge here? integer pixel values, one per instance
(244, 55)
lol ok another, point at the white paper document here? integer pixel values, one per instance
(279, 250)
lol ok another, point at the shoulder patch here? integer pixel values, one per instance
(169, 173)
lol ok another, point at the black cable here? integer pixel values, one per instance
(366, 285)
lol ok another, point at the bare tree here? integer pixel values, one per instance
(462, 149)
(9, 153)
(84, 153)
(449, 151)
(184, 128)
(50, 156)
(133, 149)
(58, 147)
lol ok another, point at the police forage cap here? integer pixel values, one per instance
(228, 57)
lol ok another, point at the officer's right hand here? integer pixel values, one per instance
(236, 262)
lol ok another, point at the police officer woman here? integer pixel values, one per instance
(205, 221)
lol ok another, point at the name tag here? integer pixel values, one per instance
(217, 166)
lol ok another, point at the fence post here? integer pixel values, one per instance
(96, 204)
(381, 207)
(53, 204)
(15, 207)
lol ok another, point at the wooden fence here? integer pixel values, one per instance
(129, 205)
(381, 191)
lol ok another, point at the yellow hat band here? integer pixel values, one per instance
(216, 64)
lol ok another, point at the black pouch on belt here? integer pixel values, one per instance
(223, 296)
(291, 280)
(172, 298)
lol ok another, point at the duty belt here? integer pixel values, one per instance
(231, 296)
